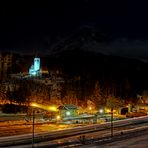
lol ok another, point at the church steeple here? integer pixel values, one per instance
(35, 68)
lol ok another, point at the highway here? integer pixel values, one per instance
(71, 136)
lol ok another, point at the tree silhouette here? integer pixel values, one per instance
(114, 103)
(96, 96)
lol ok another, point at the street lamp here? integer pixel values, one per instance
(101, 111)
(36, 105)
(111, 122)
(33, 118)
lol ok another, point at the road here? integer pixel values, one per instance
(19, 128)
(135, 142)
(139, 141)
(72, 135)
(75, 142)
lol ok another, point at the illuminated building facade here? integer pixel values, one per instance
(68, 110)
(35, 68)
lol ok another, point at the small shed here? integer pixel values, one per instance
(68, 110)
(142, 108)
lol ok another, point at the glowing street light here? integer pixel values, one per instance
(53, 108)
(45, 107)
(101, 111)
(34, 104)
(90, 108)
(58, 117)
(68, 113)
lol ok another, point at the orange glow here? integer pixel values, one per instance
(90, 108)
(107, 110)
(53, 108)
(34, 104)
(58, 117)
(45, 107)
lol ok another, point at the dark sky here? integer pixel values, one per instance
(25, 25)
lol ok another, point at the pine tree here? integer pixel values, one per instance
(113, 102)
(96, 96)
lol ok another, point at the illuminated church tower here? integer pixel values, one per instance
(35, 68)
(36, 64)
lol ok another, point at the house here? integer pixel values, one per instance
(142, 105)
(68, 110)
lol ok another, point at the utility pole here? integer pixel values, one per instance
(111, 122)
(33, 117)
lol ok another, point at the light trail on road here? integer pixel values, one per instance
(75, 132)
(75, 139)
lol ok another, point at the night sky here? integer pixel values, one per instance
(28, 26)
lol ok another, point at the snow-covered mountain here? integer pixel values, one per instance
(90, 39)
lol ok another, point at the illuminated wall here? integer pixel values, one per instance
(36, 64)
(35, 68)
